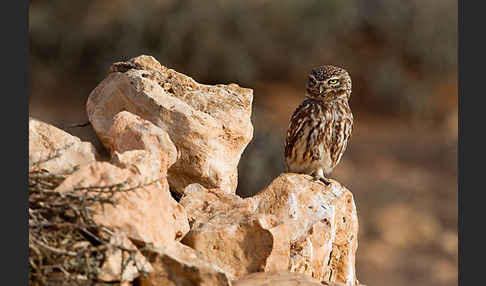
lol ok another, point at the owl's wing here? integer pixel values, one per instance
(297, 122)
(342, 133)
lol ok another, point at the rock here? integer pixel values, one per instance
(141, 163)
(281, 278)
(203, 204)
(112, 266)
(140, 145)
(227, 233)
(209, 125)
(294, 224)
(322, 225)
(56, 151)
(181, 265)
(146, 213)
(164, 129)
(141, 153)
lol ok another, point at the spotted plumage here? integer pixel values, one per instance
(321, 126)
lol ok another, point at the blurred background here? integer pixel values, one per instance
(401, 162)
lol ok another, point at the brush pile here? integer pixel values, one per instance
(66, 246)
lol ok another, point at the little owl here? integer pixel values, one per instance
(321, 125)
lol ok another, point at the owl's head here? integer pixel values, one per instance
(329, 83)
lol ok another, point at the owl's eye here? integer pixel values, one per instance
(333, 81)
(312, 81)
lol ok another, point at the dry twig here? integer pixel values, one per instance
(67, 247)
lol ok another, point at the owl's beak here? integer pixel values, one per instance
(321, 88)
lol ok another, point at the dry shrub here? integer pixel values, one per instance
(66, 246)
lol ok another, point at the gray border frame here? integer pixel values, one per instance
(15, 79)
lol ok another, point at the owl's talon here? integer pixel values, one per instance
(325, 181)
(317, 178)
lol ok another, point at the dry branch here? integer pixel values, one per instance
(66, 246)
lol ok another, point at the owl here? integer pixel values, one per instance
(321, 126)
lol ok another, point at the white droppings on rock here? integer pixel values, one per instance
(292, 204)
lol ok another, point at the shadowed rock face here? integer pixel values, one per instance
(209, 125)
(226, 232)
(163, 129)
(182, 265)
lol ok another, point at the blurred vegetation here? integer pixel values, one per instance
(395, 50)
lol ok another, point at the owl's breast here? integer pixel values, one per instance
(309, 135)
(318, 135)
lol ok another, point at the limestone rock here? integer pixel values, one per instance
(181, 266)
(281, 278)
(111, 270)
(228, 234)
(56, 151)
(209, 125)
(294, 224)
(138, 144)
(145, 213)
(322, 225)
(141, 156)
(203, 204)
